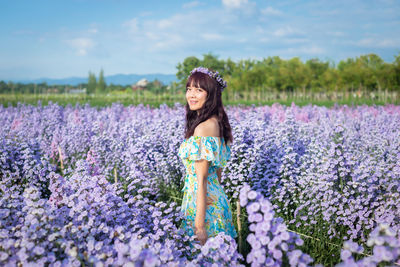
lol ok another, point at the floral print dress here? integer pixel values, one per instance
(218, 215)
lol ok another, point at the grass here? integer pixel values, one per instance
(170, 100)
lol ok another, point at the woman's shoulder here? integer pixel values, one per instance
(208, 127)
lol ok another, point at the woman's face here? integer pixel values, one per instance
(196, 97)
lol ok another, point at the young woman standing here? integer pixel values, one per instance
(204, 152)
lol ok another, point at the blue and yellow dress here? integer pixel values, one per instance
(218, 217)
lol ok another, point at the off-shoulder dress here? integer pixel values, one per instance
(219, 214)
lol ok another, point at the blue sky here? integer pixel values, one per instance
(58, 39)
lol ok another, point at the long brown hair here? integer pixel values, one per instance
(212, 106)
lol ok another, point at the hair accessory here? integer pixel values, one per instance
(212, 74)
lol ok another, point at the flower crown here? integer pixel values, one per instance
(212, 74)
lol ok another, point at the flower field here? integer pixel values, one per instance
(87, 186)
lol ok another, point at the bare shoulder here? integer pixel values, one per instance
(209, 127)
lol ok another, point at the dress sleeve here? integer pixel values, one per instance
(206, 147)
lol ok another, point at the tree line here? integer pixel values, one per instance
(93, 86)
(366, 72)
(273, 74)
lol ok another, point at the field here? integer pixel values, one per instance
(327, 99)
(101, 186)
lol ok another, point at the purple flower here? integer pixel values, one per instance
(252, 195)
(345, 254)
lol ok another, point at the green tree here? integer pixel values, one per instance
(299, 75)
(4, 88)
(387, 76)
(274, 79)
(396, 67)
(211, 61)
(184, 68)
(370, 67)
(101, 84)
(229, 67)
(349, 74)
(317, 70)
(91, 88)
(364, 72)
(329, 80)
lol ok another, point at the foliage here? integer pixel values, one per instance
(92, 83)
(366, 72)
(101, 84)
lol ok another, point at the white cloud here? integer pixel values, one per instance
(379, 43)
(259, 29)
(132, 25)
(165, 23)
(81, 45)
(271, 11)
(287, 31)
(295, 40)
(167, 43)
(337, 33)
(182, 30)
(313, 50)
(93, 30)
(284, 35)
(304, 50)
(191, 4)
(212, 36)
(145, 13)
(234, 3)
(151, 36)
(224, 30)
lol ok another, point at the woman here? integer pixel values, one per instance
(204, 152)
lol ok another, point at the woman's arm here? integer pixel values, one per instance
(201, 168)
(219, 170)
(206, 128)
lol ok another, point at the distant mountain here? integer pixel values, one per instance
(121, 79)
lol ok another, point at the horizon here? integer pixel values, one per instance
(96, 74)
(128, 74)
(58, 40)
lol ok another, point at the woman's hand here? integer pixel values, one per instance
(201, 235)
